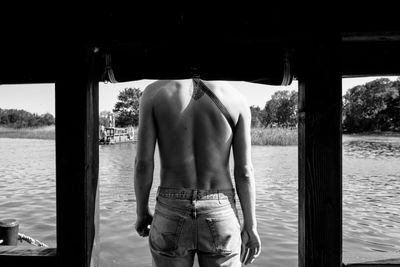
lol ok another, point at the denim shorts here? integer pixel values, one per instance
(189, 221)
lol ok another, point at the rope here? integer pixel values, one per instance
(287, 75)
(108, 74)
(30, 240)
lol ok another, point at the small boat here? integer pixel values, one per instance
(113, 135)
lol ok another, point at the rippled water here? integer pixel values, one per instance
(371, 197)
(28, 186)
(277, 206)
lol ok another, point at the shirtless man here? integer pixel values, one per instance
(196, 209)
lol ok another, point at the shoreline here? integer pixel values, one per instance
(259, 136)
(373, 134)
(41, 133)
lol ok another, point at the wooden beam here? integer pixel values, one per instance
(26, 251)
(383, 36)
(28, 260)
(320, 153)
(378, 263)
(92, 161)
(28, 62)
(240, 60)
(27, 256)
(76, 156)
(373, 265)
(370, 58)
(248, 58)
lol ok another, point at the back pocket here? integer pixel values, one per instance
(165, 231)
(225, 233)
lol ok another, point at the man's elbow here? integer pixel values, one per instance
(244, 174)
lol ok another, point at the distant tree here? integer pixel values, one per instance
(3, 117)
(255, 116)
(268, 116)
(281, 109)
(293, 119)
(47, 119)
(103, 118)
(127, 107)
(372, 106)
(18, 118)
(392, 112)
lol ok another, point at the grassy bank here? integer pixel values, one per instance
(47, 132)
(274, 136)
(376, 133)
(259, 136)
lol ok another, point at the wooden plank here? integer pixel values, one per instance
(373, 265)
(381, 263)
(27, 251)
(76, 157)
(382, 259)
(320, 153)
(383, 36)
(249, 59)
(116, 21)
(92, 162)
(397, 264)
(370, 58)
(42, 261)
(27, 256)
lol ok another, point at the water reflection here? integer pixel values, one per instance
(371, 186)
(276, 178)
(371, 197)
(28, 187)
(371, 147)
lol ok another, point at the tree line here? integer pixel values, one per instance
(19, 118)
(374, 106)
(279, 111)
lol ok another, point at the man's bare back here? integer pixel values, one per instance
(194, 137)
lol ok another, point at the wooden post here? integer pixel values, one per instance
(320, 153)
(76, 156)
(9, 232)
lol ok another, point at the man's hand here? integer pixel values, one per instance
(143, 223)
(251, 246)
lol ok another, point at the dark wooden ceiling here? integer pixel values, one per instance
(36, 40)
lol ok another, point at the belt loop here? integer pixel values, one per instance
(219, 201)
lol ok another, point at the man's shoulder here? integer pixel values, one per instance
(152, 91)
(154, 87)
(163, 86)
(229, 92)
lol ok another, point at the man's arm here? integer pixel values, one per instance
(144, 162)
(245, 186)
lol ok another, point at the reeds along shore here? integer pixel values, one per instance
(259, 136)
(47, 132)
(274, 136)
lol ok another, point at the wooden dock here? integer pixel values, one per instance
(380, 263)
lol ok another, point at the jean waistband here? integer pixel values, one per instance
(195, 194)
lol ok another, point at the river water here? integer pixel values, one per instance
(371, 197)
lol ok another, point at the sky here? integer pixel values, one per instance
(40, 98)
